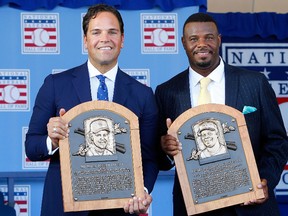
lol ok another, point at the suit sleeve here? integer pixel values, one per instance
(148, 132)
(274, 142)
(161, 98)
(44, 108)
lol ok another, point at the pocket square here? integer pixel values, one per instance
(248, 109)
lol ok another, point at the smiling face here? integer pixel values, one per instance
(101, 139)
(209, 138)
(104, 41)
(201, 42)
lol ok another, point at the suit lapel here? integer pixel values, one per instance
(231, 86)
(121, 89)
(81, 83)
(183, 93)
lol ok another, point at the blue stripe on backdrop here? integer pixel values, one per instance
(164, 5)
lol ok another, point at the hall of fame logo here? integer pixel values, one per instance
(14, 90)
(159, 33)
(26, 162)
(40, 33)
(142, 75)
(21, 198)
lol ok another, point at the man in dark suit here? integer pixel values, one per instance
(231, 86)
(103, 36)
(6, 210)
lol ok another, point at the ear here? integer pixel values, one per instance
(183, 42)
(85, 41)
(122, 41)
(219, 39)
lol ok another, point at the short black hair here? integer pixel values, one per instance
(95, 9)
(199, 17)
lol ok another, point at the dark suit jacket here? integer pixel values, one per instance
(6, 210)
(265, 126)
(70, 88)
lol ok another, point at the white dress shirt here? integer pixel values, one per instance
(94, 81)
(216, 87)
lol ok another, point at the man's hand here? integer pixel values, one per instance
(264, 186)
(57, 129)
(138, 205)
(170, 145)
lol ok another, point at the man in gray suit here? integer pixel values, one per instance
(231, 86)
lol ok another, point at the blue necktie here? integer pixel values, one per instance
(102, 93)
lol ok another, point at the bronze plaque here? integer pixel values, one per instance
(101, 166)
(216, 167)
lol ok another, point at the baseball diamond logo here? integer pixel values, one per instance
(142, 75)
(14, 89)
(159, 33)
(26, 162)
(40, 33)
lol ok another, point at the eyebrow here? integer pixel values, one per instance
(111, 29)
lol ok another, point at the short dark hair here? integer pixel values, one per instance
(95, 9)
(199, 17)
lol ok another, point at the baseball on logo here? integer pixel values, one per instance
(40, 37)
(10, 94)
(159, 37)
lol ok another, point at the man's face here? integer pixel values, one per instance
(101, 139)
(104, 41)
(209, 138)
(201, 42)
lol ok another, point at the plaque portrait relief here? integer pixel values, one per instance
(216, 167)
(99, 133)
(210, 141)
(99, 137)
(209, 138)
(101, 165)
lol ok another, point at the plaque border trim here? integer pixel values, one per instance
(65, 161)
(193, 208)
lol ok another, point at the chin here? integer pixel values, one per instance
(203, 64)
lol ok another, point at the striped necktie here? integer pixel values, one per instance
(204, 96)
(102, 93)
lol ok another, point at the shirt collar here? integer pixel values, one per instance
(93, 72)
(216, 75)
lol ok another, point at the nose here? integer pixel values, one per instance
(104, 37)
(201, 42)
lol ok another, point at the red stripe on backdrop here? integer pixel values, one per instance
(21, 202)
(23, 210)
(47, 29)
(282, 100)
(33, 45)
(18, 86)
(153, 45)
(152, 29)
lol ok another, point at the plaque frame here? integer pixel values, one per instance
(204, 112)
(69, 202)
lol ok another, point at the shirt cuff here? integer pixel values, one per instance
(49, 146)
(171, 160)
